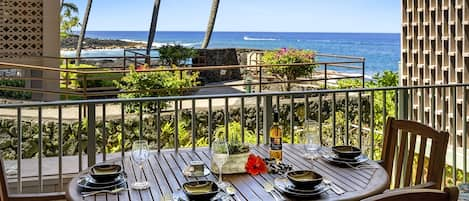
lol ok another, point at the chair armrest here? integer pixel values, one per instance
(453, 193)
(428, 185)
(37, 197)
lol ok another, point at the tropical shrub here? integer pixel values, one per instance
(175, 54)
(235, 144)
(154, 83)
(21, 95)
(290, 56)
(93, 80)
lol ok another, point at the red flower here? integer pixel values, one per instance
(255, 165)
(141, 68)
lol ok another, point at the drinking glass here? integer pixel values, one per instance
(140, 153)
(311, 138)
(220, 155)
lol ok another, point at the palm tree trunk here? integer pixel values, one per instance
(61, 5)
(83, 32)
(211, 23)
(151, 34)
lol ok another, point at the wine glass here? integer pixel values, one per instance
(140, 153)
(220, 155)
(311, 138)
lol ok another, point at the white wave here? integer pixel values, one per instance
(160, 44)
(250, 38)
(93, 52)
(133, 41)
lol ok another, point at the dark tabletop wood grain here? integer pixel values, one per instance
(164, 171)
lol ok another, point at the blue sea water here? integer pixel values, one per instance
(381, 50)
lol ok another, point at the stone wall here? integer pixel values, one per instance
(221, 57)
(71, 130)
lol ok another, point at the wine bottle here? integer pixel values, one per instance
(275, 139)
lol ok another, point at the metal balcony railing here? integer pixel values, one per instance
(81, 83)
(347, 116)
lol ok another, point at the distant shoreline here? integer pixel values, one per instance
(301, 32)
(70, 44)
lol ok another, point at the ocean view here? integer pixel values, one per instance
(381, 50)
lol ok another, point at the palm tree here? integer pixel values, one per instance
(151, 34)
(83, 31)
(68, 18)
(211, 23)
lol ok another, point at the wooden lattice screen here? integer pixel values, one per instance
(21, 23)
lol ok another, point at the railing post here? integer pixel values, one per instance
(125, 58)
(91, 146)
(85, 86)
(135, 61)
(403, 104)
(67, 77)
(267, 118)
(325, 76)
(363, 72)
(260, 79)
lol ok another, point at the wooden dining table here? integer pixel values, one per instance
(164, 171)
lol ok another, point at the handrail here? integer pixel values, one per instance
(36, 67)
(364, 111)
(168, 68)
(85, 74)
(237, 95)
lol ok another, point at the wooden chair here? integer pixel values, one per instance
(5, 196)
(450, 194)
(403, 153)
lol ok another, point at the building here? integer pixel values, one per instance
(435, 51)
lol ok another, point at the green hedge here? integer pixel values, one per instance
(8, 132)
(22, 95)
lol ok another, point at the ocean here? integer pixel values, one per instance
(381, 50)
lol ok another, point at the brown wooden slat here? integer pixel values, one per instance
(410, 161)
(248, 192)
(400, 159)
(168, 173)
(129, 169)
(421, 160)
(158, 175)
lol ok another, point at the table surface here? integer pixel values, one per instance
(164, 171)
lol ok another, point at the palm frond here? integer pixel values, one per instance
(70, 6)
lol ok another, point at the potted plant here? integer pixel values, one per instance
(239, 152)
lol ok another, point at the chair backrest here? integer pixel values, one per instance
(400, 151)
(450, 194)
(3, 182)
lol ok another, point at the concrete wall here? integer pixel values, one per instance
(31, 27)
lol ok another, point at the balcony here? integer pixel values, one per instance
(76, 134)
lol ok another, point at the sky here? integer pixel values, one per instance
(363, 16)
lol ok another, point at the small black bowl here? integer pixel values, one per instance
(105, 172)
(304, 178)
(347, 152)
(200, 190)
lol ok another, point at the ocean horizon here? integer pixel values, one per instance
(381, 50)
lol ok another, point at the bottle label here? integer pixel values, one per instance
(276, 143)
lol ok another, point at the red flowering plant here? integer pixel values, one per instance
(290, 56)
(255, 165)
